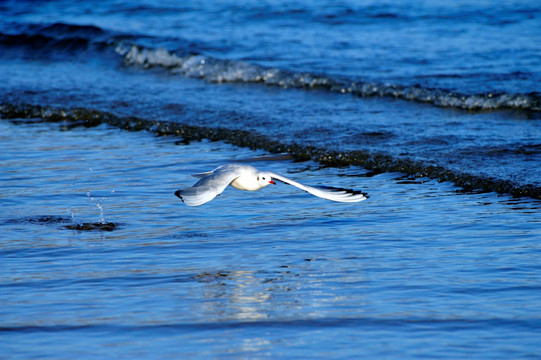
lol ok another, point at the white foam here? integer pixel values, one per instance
(223, 71)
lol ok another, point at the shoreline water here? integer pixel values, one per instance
(375, 162)
(274, 272)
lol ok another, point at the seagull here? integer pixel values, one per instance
(246, 177)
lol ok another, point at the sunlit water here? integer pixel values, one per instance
(417, 270)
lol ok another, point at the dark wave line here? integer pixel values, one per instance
(71, 39)
(242, 138)
(42, 42)
(41, 46)
(420, 324)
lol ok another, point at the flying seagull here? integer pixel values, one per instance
(246, 177)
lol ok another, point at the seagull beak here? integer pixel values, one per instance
(272, 182)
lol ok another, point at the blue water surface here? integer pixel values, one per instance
(416, 270)
(422, 269)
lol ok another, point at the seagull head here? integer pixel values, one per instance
(264, 179)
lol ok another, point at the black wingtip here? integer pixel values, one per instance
(349, 191)
(177, 193)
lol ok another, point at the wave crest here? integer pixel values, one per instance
(223, 71)
(77, 40)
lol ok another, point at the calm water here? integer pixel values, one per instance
(416, 270)
(421, 269)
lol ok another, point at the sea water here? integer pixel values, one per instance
(431, 108)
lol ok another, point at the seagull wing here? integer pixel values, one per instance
(203, 174)
(325, 192)
(208, 187)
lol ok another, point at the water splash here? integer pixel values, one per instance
(74, 219)
(100, 206)
(100, 225)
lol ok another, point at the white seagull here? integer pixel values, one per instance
(246, 177)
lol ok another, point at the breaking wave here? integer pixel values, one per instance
(76, 40)
(221, 71)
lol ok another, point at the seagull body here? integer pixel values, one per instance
(246, 177)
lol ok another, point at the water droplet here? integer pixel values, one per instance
(102, 217)
(71, 213)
